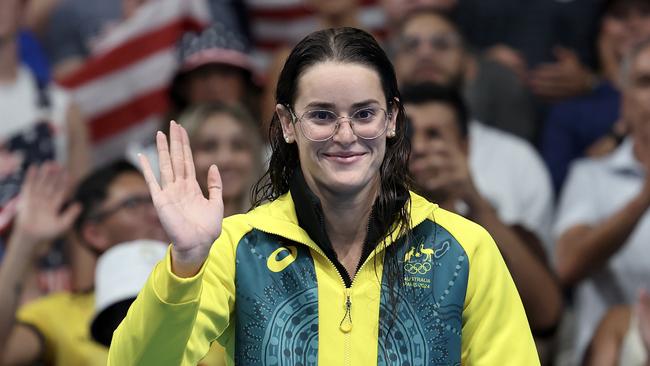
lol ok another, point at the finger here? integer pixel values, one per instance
(564, 54)
(187, 155)
(57, 194)
(45, 186)
(176, 150)
(215, 186)
(149, 177)
(164, 162)
(28, 183)
(548, 73)
(41, 176)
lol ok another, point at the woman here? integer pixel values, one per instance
(228, 136)
(343, 265)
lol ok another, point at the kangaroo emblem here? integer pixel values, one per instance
(409, 255)
(427, 252)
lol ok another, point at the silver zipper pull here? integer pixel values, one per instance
(346, 322)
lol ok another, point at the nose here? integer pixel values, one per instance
(344, 133)
(418, 146)
(224, 156)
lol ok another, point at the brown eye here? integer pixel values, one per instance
(208, 145)
(432, 133)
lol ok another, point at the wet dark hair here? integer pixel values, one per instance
(354, 46)
(93, 189)
(428, 92)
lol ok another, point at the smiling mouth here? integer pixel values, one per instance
(345, 158)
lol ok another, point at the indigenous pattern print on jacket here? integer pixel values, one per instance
(277, 302)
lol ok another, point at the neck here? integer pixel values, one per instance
(344, 19)
(347, 215)
(82, 266)
(8, 60)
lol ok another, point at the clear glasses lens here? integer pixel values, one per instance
(320, 125)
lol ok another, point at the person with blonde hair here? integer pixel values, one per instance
(229, 137)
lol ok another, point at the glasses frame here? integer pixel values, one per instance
(295, 119)
(102, 215)
(454, 39)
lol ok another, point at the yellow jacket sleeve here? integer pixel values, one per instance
(495, 327)
(174, 320)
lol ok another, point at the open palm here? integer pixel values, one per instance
(192, 221)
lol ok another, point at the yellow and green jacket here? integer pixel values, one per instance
(270, 294)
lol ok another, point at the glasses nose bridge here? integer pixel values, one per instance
(340, 120)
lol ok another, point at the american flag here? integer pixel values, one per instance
(122, 89)
(277, 23)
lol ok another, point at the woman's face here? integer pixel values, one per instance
(216, 83)
(223, 141)
(344, 164)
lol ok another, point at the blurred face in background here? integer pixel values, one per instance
(126, 214)
(216, 83)
(636, 103)
(226, 142)
(10, 11)
(396, 10)
(429, 49)
(626, 24)
(432, 123)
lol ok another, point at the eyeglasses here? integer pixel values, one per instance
(320, 125)
(132, 203)
(439, 42)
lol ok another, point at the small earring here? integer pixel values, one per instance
(287, 139)
(391, 133)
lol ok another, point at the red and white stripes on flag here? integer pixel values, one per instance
(122, 89)
(276, 23)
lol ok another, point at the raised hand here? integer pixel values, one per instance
(192, 221)
(39, 219)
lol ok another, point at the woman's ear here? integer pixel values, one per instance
(392, 122)
(286, 120)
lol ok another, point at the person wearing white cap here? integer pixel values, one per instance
(120, 274)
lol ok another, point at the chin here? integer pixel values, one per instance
(348, 183)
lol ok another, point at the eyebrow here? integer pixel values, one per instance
(326, 105)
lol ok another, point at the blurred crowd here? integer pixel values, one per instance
(531, 118)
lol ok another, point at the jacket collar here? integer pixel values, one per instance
(281, 216)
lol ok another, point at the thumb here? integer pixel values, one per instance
(70, 214)
(214, 183)
(564, 54)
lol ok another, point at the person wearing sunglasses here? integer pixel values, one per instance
(338, 263)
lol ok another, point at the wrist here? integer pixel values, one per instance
(187, 263)
(22, 243)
